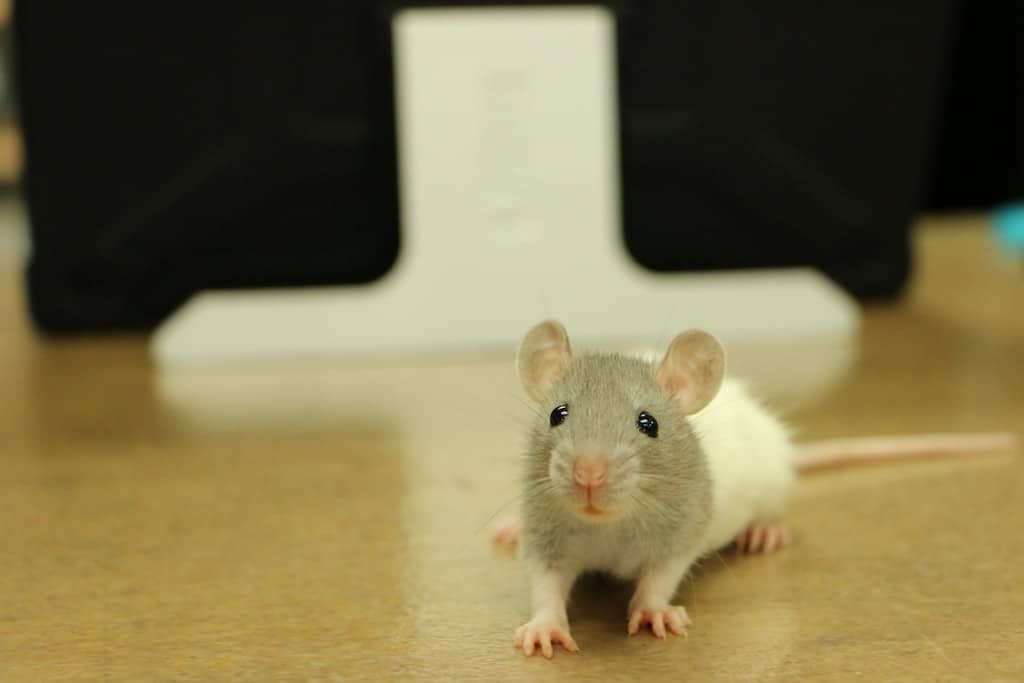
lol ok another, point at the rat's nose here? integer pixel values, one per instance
(590, 471)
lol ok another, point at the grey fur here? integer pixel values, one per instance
(659, 491)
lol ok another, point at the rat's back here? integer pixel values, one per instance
(750, 458)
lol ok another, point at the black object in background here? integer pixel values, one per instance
(172, 148)
(979, 158)
(779, 134)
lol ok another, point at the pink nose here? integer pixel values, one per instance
(590, 472)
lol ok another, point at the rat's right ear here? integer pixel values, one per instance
(543, 359)
(693, 369)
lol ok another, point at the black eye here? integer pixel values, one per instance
(646, 423)
(559, 414)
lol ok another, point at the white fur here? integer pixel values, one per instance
(750, 456)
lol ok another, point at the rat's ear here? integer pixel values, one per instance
(692, 370)
(543, 358)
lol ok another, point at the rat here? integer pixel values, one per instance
(638, 467)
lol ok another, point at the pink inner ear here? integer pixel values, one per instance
(548, 369)
(680, 384)
(670, 379)
(545, 357)
(692, 370)
(545, 369)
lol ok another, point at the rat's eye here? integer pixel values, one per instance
(646, 423)
(559, 414)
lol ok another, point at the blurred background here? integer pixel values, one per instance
(327, 518)
(174, 148)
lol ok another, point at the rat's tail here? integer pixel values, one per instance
(820, 454)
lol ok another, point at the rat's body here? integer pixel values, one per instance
(637, 471)
(642, 467)
(751, 460)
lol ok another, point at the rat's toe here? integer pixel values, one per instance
(545, 645)
(677, 620)
(658, 624)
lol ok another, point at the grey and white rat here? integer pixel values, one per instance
(639, 466)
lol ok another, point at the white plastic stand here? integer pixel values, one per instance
(509, 181)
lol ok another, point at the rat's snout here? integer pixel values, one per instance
(592, 484)
(590, 472)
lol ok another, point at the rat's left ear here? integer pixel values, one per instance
(543, 358)
(692, 370)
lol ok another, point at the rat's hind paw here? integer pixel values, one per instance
(541, 634)
(762, 538)
(673, 617)
(506, 531)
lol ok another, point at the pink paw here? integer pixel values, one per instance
(506, 531)
(542, 633)
(762, 538)
(673, 617)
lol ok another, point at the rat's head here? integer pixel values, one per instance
(612, 435)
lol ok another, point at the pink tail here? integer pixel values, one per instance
(820, 454)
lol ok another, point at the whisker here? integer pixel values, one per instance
(630, 458)
(720, 558)
(653, 509)
(500, 509)
(529, 406)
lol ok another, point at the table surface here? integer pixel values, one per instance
(328, 521)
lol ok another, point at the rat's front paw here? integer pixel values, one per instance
(672, 616)
(542, 633)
